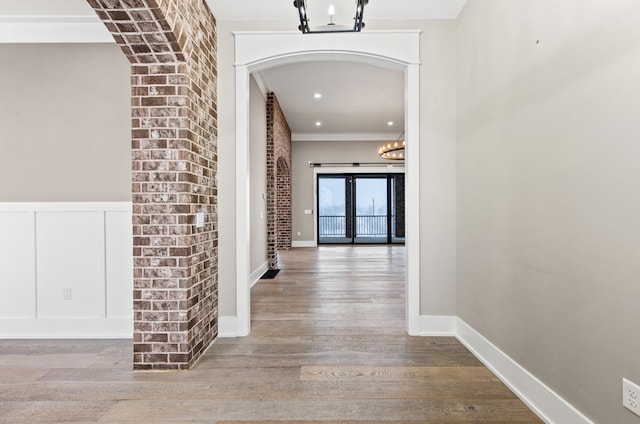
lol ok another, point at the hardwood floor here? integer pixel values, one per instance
(327, 346)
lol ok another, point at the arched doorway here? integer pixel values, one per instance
(257, 51)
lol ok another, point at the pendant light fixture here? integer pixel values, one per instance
(393, 150)
(305, 28)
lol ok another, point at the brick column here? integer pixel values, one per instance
(278, 198)
(283, 205)
(171, 45)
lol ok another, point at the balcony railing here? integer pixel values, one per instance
(371, 225)
(332, 225)
(365, 226)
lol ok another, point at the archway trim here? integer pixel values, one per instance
(255, 51)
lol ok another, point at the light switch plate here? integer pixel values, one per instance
(199, 219)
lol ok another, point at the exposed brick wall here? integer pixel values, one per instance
(283, 206)
(278, 184)
(171, 45)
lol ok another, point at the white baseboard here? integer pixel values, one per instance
(547, 404)
(66, 328)
(255, 275)
(303, 243)
(227, 326)
(437, 325)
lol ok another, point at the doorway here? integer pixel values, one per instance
(360, 209)
(255, 51)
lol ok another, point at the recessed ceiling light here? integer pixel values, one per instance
(317, 96)
(390, 123)
(318, 123)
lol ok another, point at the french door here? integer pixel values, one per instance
(360, 208)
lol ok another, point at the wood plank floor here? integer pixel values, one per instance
(327, 346)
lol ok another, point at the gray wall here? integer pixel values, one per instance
(65, 119)
(258, 176)
(302, 194)
(548, 195)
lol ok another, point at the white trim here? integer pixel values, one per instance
(66, 328)
(243, 253)
(255, 275)
(546, 403)
(344, 136)
(227, 326)
(50, 19)
(102, 294)
(389, 169)
(289, 32)
(53, 29)
(262, 82)
(66, 207)
(437, 325)
(256, 51)
(412, 191)
(304, 243)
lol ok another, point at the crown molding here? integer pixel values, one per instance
(344, 136)
(53, 29)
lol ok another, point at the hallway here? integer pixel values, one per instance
(327, 345)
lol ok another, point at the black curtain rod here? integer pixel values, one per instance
(354, 164)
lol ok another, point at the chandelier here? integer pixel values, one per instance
(358, 24)
(393, 150)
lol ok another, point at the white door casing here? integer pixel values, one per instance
(256, 51)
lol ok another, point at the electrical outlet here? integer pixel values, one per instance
(66, 294)
(630, 396)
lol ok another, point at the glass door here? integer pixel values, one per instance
(334, 203)
(361, 208)
(371, 209)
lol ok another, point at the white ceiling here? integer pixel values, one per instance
(376, 9)
(248, 10)
(358, 100)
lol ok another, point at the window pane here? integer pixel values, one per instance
(332, 210)
(371, 210)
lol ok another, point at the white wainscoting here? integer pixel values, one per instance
(66, 270)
